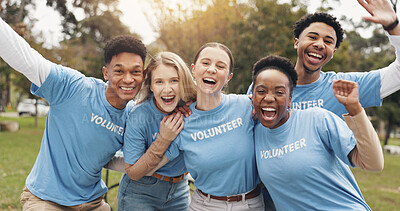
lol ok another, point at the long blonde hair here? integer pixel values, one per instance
(186, 82)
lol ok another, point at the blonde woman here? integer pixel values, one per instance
(150, 128)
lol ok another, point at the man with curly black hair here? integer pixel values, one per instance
(85, 124)
(317, 37)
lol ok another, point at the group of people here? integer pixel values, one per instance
(294, 154)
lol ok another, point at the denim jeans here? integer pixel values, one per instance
(150, 193)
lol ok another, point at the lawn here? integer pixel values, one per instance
(18, 152)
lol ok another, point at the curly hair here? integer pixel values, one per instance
(323, 17)
(124, 43)
(279, 63)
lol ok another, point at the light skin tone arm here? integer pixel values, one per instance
(367, 154)
(381, 13)
(153, 158)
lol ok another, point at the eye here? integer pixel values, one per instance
(280, 93)
(118, 71)
(158, 82)
(329, 41)
(312, 37)
(205, 63)
(175, 80)
(260, 91)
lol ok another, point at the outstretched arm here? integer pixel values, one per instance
(152, 159)
(367, 154)
(382, 13)
(19, 55)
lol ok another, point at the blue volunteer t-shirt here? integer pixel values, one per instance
(320, 92)
(142, 127)
(304, 163)
(218, 147)
(83, 132)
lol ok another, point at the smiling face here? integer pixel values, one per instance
(211, 70)
(125, 75)
(315, 47)
(271, 98)
(165, 87)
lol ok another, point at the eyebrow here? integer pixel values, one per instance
(315, 33)
(120, 65)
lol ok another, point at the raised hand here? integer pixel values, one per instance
(381, 11)
(346, 92)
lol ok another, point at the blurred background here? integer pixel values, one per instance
(74, 32)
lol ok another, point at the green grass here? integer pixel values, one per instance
(18, 153)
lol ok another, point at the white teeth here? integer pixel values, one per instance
(209, 79)
(168, 98)
(127, 88)
(315, 55)
(268, 109)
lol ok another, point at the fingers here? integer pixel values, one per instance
(185, 110)
(174, 121)
(366, 6)
(343, 87)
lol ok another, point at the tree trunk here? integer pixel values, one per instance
(36, 114)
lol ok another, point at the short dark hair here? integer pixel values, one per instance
(279, 63)
(216, 45)
(323, 17)
(124, 43)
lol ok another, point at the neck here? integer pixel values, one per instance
(305, 76)
(115, 102)
(206, 102)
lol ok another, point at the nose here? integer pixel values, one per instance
(319, 44)
(167, 88)
(269, 98)
(212, 69)
(128, 78)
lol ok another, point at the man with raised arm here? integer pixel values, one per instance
(85, 124)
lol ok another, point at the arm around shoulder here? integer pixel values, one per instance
(150, 161)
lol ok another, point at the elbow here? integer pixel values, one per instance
(378, 166)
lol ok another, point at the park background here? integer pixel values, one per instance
(252, 29)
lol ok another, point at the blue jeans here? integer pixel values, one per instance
(150, 193)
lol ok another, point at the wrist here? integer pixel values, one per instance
(392, 25)
(354, 109)
(159, 136)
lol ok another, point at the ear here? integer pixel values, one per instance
(105, 73)
(334, 53)
(296, 43)
(229, 77)
(290, 101)
(192, 68)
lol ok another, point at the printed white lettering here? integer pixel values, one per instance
(229, 126)
(103, 122)
(267, 154)
(215, 131)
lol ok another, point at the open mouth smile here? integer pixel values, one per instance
(268, 113)
(168, 99)
(209, 81)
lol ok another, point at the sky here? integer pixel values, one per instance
(134, 17)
